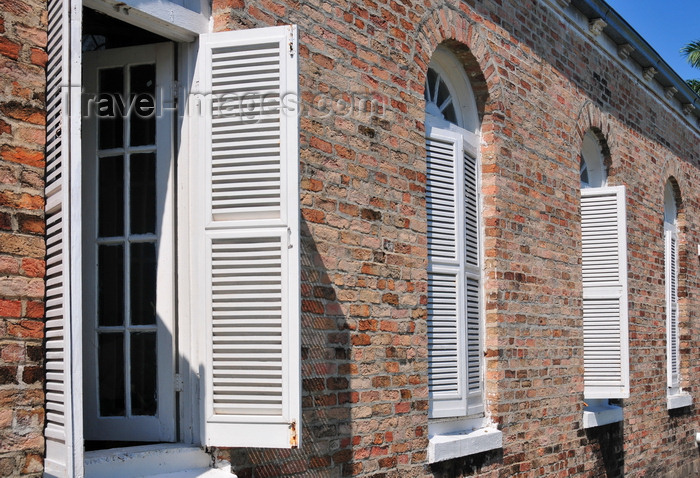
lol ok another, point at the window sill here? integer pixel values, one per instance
(456, 445)
(679, 400)
(601, 413)
(170, 460)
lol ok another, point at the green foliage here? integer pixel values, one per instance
(692, 53)
(694, 85)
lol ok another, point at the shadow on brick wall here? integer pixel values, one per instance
(326, 396)
(470, 465)
(607, 449)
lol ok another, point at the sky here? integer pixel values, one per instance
(666, 26)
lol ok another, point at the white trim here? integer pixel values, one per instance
(444, 63)
(679, 400)
(188, 330)
(599, 412)
(592, 155)
(164, 18)
(73, 211)
(579, 24)
(456, 445)
(145, 460)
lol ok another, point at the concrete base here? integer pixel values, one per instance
(166, 460)
(600, 412)
(455, 445)
(679, 400)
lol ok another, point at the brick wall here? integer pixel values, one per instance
(22, 61)
(540, 85)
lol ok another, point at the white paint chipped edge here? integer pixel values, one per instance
(455, 445)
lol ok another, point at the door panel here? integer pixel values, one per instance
(128, 243)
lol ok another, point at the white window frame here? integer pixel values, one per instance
(676, 397)
(64, 445)
(158, 425)
(604, 235)
(466, 428)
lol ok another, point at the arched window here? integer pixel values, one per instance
(676, 397)
(455, 297)
(454, 241)
(604, 276)
(592, 162)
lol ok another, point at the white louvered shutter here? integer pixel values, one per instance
(604, 273)
(63, 431)
(454, 297)
(672, 342)
(472, 271)
(251, 238)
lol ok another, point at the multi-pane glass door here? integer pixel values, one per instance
(128, 261)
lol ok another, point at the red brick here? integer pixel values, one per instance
(34, 310)
(38, 57)
(10, 308)
(33, 267)
(8, 48)
(12, 353)
(31, 224)
(22, 155)
(5, 127)
(320, 144)
(26, 329)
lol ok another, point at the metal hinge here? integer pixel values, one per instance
(179, 383)
(292, 40)
(293, 438)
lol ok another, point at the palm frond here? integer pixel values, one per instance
(692, 53)
(694, 85)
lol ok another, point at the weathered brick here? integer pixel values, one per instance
(30, 246)
(33, 267)
(26, 329)
(12, 353)
(9, 48)
(10, 308)
(364, 256)
(8, 375)
(23, 112)
(21, 200)
(32, 374)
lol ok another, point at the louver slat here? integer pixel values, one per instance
(446, 312)
(604, 275)
(444, 370)
(247, 324)
(441, 200)
(673, 346)
(246, 85)
(63, 430)
(471, 225)
(454, 321)
(251, 233)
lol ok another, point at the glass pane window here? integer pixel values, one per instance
(126, 243)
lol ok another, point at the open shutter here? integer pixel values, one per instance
(672, 345)
(63, 431)
(604, 273)
(454, 324)
(250, 238)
